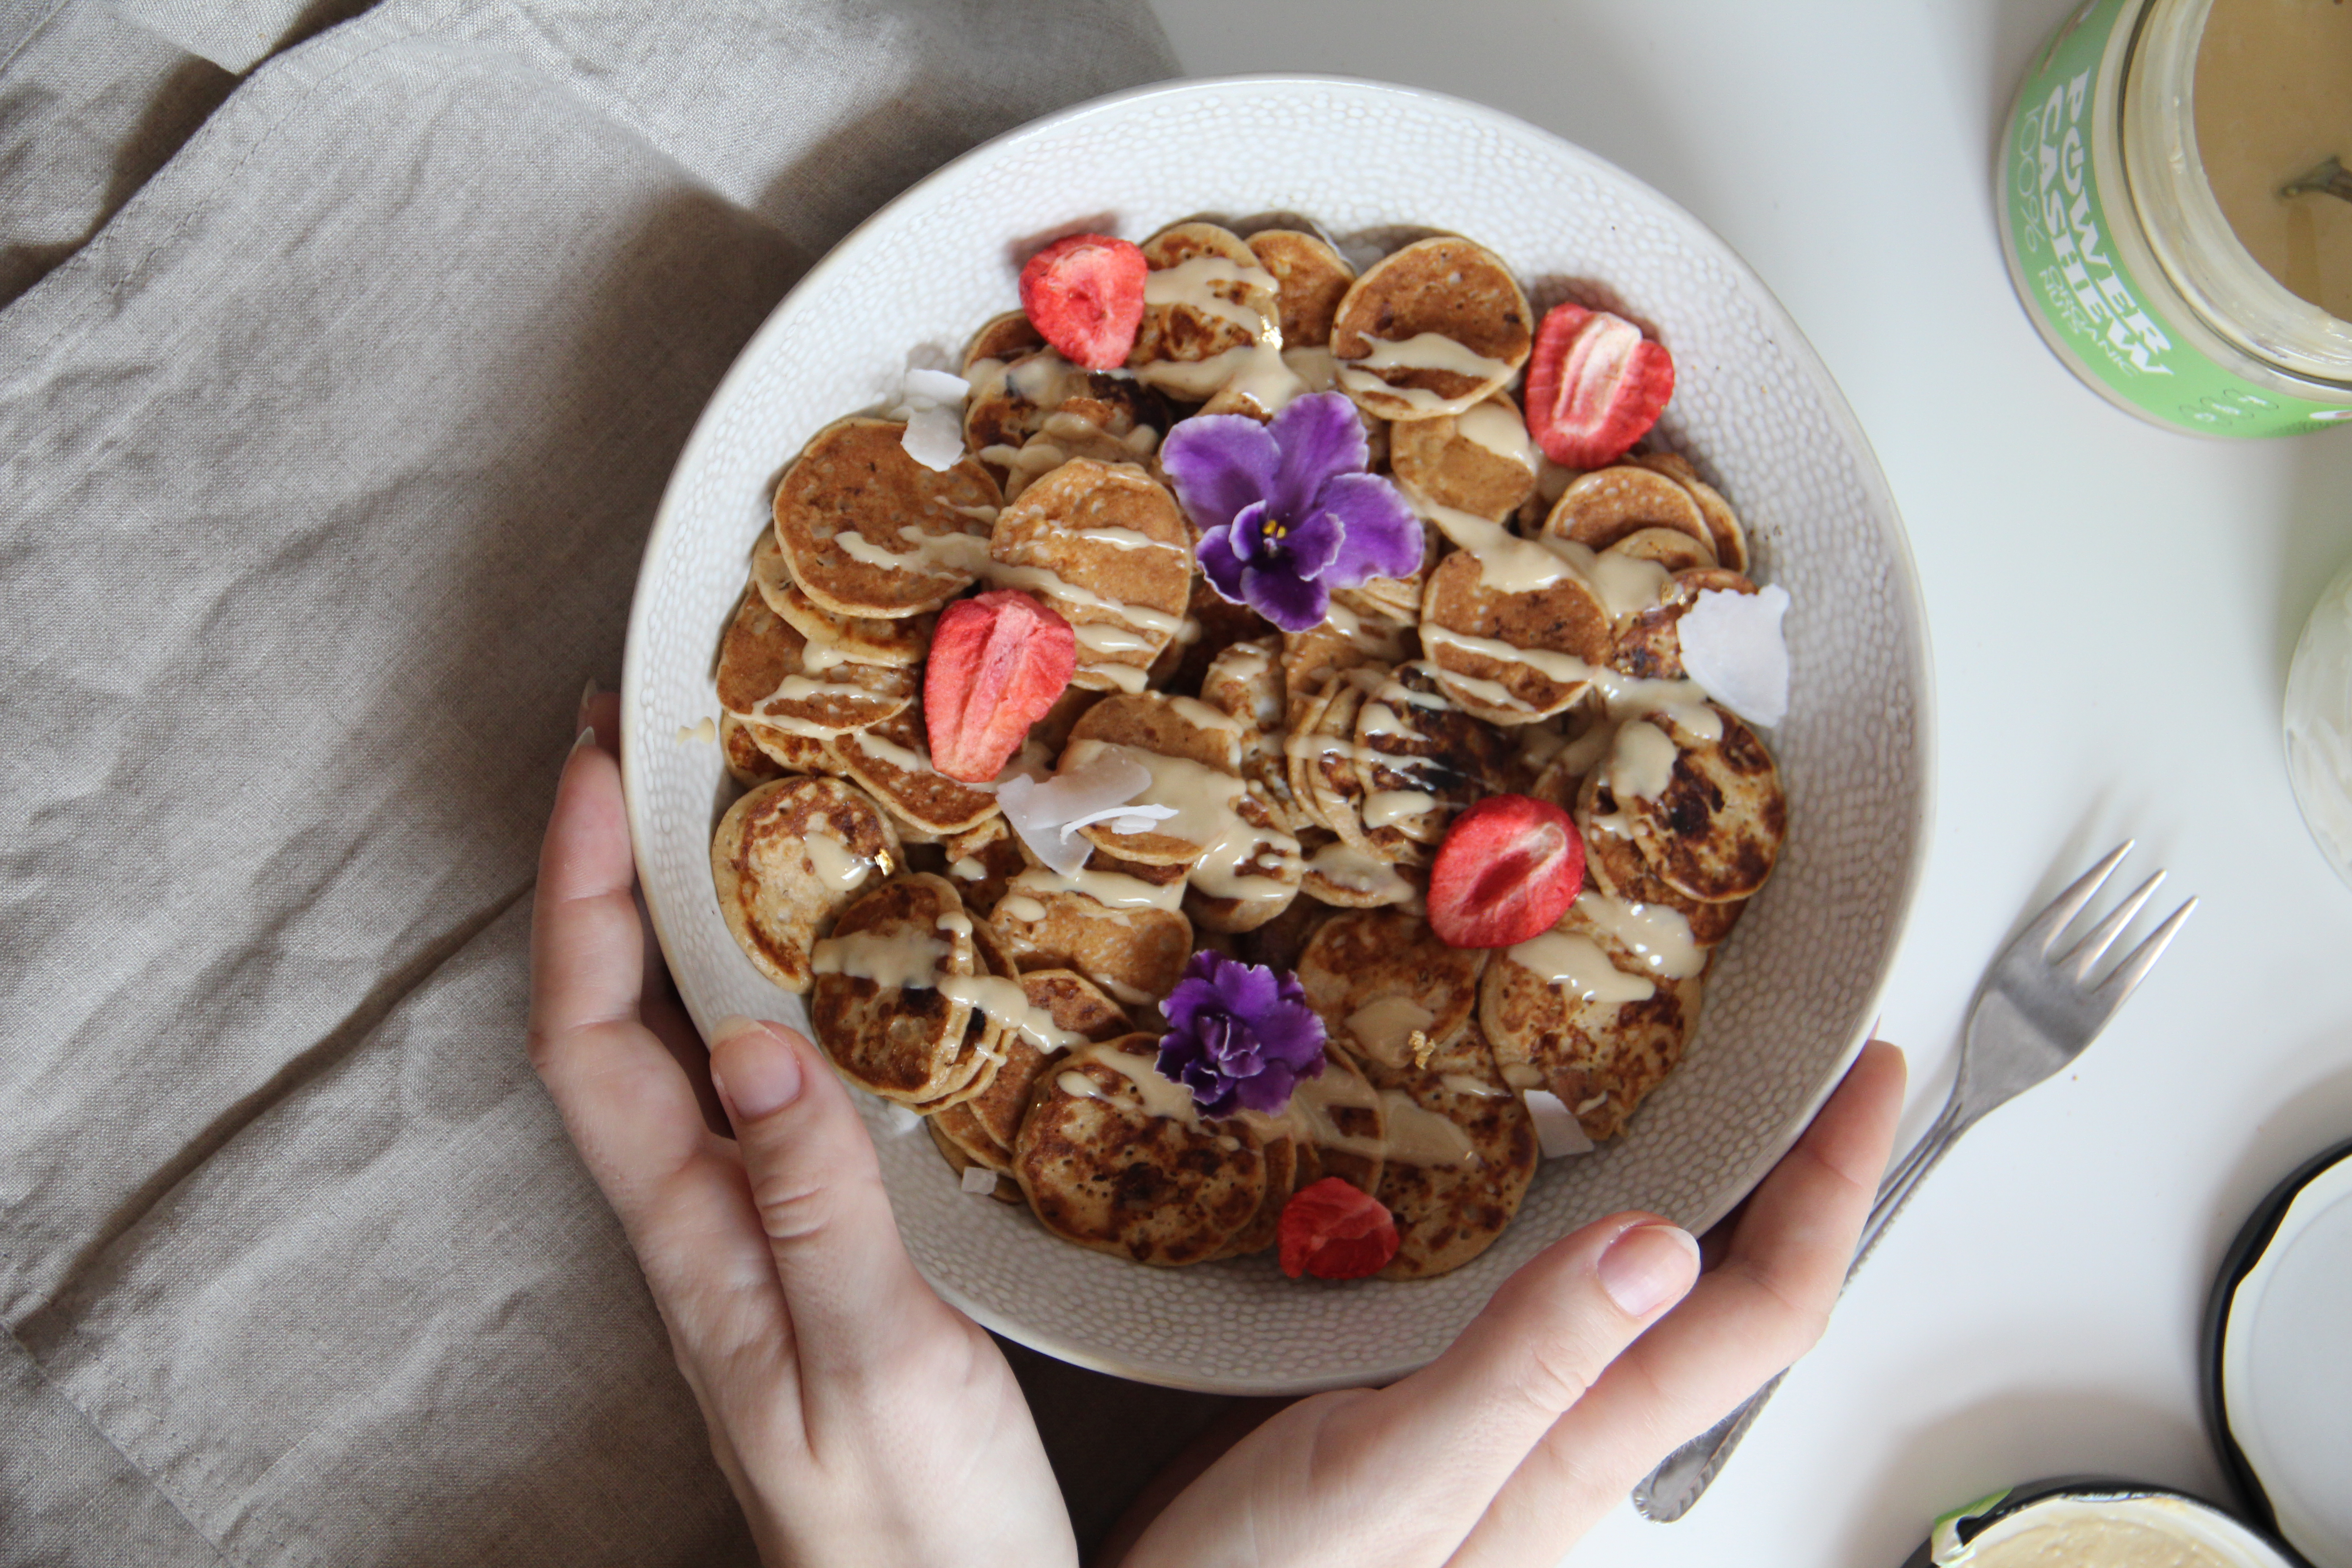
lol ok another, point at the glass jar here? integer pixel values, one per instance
(2121, 252)
(2319, 723)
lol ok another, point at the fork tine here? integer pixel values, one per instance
(2087, 952)
(2134, 969)
(2063, 909)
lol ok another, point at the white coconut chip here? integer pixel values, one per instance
(1732, 646)
(979, 1179)
(1123, 818)
(1039, 811)
(1556, 1128)
(900, 1119)
(931, 403)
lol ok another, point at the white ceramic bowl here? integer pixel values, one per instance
(1792, 993)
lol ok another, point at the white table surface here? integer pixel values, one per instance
(2112, 608)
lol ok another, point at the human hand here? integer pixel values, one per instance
(1579, 1377)
(859, 1419)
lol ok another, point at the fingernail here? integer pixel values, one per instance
(586, 737)
(1648, 1266)
(587, 695)
(761, 1075)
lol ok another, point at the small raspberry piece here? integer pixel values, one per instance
(1595, 386)
(998, 661)
(1334, 1231)
(1510, 867)
(1085, 294)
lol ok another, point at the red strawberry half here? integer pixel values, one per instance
(1507, 870)
(1334, 1231)
(1595, 386)
(998, 661)
(1085, 294)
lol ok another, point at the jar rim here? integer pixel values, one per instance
(2164, 174)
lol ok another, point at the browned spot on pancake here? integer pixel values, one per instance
(1412, 739)
(1715, 831)
(1616, 867)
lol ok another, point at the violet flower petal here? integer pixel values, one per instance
(1220, 463)
(1383, 538)
(1312, 543)
(1220, 565)
(1245, 535)
(1247, 988)
(1319, 436)
(1290, 603)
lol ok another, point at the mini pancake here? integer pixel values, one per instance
(1730, 539)
(1244, 883)
(1512, 654)
(985, 1125)
(1393, 599)
(893, 762)
(875, 1007)
(1422, 761)
(1010, 396)
(793, 751)
(1193, 751)
(1311, 659)
(1461, 1151)
(869, 532)
(961, 1158)
(1379, 977)
(1605, 505)
(1221, 623)
(1668, 547)
(1346, 876)
(1323, 761)
(1112, 1156)
(982, 861)
(788, 858)
(1080, 427)
(763, 675)
(1223, 301)
(988, 1037)
(1107, 550)
(1281, 1155)
(1311, 279)
(1713, 832)
(747, 765)
(1479, 461)
(1244, 681)
(1601, 1052)
(1432, 328)
(861, 639)
(1614, 867)
(1336, 1122)
(1649, 646)
(1135, 953)
(1003, 338)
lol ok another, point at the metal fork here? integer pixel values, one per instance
(2033, 1015)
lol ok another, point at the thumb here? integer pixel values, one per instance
(852, 1292)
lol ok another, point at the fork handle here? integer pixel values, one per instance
(1669, 1493)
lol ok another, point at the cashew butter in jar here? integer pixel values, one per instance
(2168, 214)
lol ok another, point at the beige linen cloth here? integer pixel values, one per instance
(337, 389)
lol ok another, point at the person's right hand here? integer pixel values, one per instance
(1565, 1390)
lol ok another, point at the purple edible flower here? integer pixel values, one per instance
(1241, 1036)
(1286, 510)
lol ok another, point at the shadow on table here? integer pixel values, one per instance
(2314, 535)
(2019, 1436)
(2307, 1119)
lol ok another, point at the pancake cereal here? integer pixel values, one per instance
(1264, 573)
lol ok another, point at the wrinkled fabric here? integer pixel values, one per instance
(328, 448)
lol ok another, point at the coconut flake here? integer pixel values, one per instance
(1556, 1128)
(899, 1119)
(979, 1179)
(934, 388)
(934, 439)
(1039, 811)
(1732, 646)
(1122, 818)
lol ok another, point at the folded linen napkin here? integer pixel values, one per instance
(325, 464)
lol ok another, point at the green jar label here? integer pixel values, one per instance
(2069, 273)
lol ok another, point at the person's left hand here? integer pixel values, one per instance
(859, 1418)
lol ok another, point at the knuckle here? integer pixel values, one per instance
(1552, 1375)
(792, 1206)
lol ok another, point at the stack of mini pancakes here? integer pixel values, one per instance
(1306, 778)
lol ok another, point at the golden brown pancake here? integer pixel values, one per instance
(1614, 867)
(1438, 459)
(861, 639)
(1730, 539)
(1107, 550)
(982, 861)
(1189, 334)
(1003, 338)
(893, 762)
(1668, 547)
(1335, 1122)
(1281, 1156)
(764, 675)
(1715, 831)
(1310, 658)
(1601, 1056)
(787, 859)
(1422, 761)
(1112, 1156)
(876, 1006)
(1378, 978)
(1136, 953)
(1195, 751)
(1323, 760)
(1267, 865)
(1452, 290)
(985, 1124)
(1312, 280)
(1607, 504)
(747, 765)
(1347, 876)
(869, 532)
(1450, 1207)
(1244, 681)
(1463, 610)
(962, 1156)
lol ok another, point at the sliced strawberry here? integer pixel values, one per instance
(1085, 294)
(1594, 388)
(998, 661)
(1510, 867)
(1334, 1231)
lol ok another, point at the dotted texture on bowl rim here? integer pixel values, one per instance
(1791, 992)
